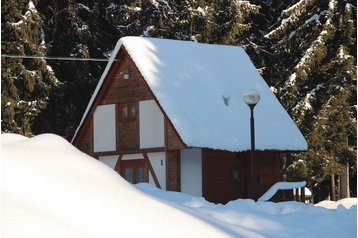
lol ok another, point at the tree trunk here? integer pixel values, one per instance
(345, 192)
(338, 192)
(333, 188)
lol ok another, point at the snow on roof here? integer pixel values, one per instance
(200, 87)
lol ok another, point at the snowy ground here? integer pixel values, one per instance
(50, 189)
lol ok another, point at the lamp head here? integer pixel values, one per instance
(251, 97)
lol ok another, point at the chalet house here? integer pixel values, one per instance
(171, 113)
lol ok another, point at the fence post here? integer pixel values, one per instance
(303, 195)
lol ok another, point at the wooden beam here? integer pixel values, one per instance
(130, 151)
(147, 161)
(117, 167)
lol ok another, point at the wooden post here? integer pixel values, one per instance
(297, 195)
(117, 167)
(303, 196)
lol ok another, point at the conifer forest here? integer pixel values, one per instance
(306, 50)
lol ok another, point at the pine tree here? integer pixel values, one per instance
(316, 83)
(26, 83)
(91, 29)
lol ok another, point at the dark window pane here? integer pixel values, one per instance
(140, 174)
(128, 174)
(124, 112)
(133, 111)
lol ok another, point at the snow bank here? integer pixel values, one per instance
(50, 189)
(346, 202)
(246, 218)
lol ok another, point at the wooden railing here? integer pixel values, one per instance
(285, 191)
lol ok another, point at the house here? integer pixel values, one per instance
(171, 113)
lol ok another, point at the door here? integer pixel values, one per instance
(134, 171)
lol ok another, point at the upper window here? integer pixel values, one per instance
(125, 74)
(127, 111)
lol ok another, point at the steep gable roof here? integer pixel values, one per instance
(190, 81)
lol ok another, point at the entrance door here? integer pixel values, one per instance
(134, 171)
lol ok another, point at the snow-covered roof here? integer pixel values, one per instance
(200, 87)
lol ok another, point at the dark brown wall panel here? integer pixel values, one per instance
(219, 168)
(219, 184)
(86, 142)
(173, 170)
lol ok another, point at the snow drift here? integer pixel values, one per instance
(50, 189)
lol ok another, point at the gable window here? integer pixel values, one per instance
(124, 112)
(125, 74)
(127, 111)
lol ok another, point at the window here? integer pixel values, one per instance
(236, 175)
(127, 112)
(125, 74)
(134, 171)
(124, 112)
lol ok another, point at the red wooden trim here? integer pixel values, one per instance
(117, 167)
(147, 161)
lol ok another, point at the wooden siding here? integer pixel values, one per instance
(86, 144)
(269, 170)
(127, 131)
(219, 184)
(172, 140)
(122, 90)
(173, 170)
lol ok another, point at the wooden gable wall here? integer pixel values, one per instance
(121, 92)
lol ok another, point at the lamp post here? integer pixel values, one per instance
(251, 98)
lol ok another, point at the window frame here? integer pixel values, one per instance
(129, 111)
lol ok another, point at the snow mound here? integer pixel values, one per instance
(346, 203)
(247, 218)
(51, 189)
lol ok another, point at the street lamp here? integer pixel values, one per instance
(251, 98)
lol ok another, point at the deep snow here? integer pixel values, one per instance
(50, 189)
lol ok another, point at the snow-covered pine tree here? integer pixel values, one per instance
(25, 83)
(90, 28)
(316, 81)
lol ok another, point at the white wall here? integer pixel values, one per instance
(191, 171)
(110, 160)
(151, 125)
(157, 160)
(104, 128)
